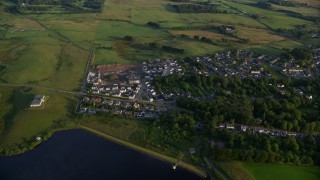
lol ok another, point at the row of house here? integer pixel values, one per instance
(93, 105)
(259, 130)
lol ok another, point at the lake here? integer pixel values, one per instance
(77, 154)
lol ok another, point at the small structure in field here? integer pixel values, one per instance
(37, 101)
(192, 150)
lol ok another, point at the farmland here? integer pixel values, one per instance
(49, 45)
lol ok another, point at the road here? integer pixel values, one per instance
(84, 83)
(76, 93)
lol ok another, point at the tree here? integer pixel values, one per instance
(128, 38)
(263, 5)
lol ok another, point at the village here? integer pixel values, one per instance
(94, 105)
(260, 130)
(130, 84)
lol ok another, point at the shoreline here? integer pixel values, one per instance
(196, 170)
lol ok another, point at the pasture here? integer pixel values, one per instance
(260, 171)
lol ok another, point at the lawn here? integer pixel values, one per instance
(261, 171)
(264, 171)
(234, 170)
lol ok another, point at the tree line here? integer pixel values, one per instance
(196, 8)
(65, 6)
(257, 148)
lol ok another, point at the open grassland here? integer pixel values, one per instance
(261, 171)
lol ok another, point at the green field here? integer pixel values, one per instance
(26, 123)
(274, 171)
(263, 171)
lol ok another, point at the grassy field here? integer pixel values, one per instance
(234, 170)
(28, 122)
(273, 171)
(261, 171)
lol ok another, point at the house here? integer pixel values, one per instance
(243, 128)
(255, 72)
(109, 102)
(116, 93)
(150, 99)
(229, 126)
(37, 101)
(132, 96)
(192, 150)
(309, 97)
(83, 110)
(117, 103)
(129, 88)
(107, 88)
(122, 89)
(221, 126)
(134, 80)
(115, 87)
(136, 105)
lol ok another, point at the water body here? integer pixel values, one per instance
(77, 154)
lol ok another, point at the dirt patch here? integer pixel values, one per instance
(116, 68)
